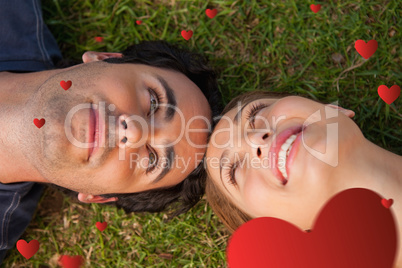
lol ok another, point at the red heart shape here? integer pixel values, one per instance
(366, 50)
(389, 95)
(387, 203)
(186, 35)
(315, 8)
(138, 22)
(27, 249)
(211, 13)
(39, 123)
(65, 85)
(101, 226)
(352, 230)
(71, 261)
(97, 39)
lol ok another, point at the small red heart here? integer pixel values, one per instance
(186, 35)
(71, 261)
(98, 39)
(389, 95)
(27, 249)
(39, 123)
(315, 8)
(101, 226)
(366, 50)
(352, 230)
(139, 22)
(65, 85)
(387, 203)
(211, 13)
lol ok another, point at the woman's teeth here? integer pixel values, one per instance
(284, 153)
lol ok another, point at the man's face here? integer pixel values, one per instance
(116, 106)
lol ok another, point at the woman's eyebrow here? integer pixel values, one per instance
(239, 113)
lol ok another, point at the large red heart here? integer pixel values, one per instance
(389, 95)
(186, 35)
(352, 230)
(71, 261)
(27, 249)
(366, 50)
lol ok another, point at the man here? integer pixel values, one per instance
(123, 128)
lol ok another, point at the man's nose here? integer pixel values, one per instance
(133, 131)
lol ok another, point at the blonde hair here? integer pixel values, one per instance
(230, 215)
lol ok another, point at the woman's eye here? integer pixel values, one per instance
(255, 108)
(231, 174)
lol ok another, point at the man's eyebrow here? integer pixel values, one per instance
(169, 156)
(171, 98)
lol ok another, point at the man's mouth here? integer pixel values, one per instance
(93, 131)
(286, 146)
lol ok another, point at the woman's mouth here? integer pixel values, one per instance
(284, 151)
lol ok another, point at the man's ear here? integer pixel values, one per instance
(91, 56)
(347, 112)
(88, 198)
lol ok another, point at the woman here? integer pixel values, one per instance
(285, 157)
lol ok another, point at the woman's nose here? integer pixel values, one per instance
(133, 131)
(258, 142)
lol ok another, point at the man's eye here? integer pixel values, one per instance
(152, 159)
(154, 104)
(153, 101)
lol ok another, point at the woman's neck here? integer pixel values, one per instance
(379, 170)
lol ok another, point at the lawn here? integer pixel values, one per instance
(275, 45)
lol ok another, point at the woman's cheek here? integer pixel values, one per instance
(256, 194)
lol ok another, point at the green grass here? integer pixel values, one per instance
(271, 45)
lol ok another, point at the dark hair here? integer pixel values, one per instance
(167, 56)
(174, 57)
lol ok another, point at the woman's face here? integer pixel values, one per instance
(282, 158)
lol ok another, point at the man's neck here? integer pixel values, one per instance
(15, 90)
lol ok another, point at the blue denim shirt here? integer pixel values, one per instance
(26, 45)
(18, 202)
